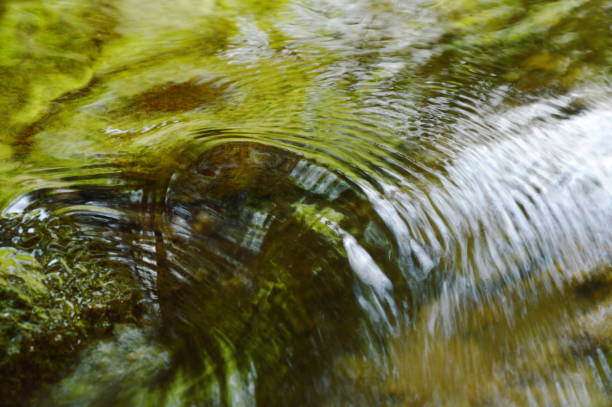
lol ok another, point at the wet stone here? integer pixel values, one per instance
(231, 253)
(244, 267)
(60, 289)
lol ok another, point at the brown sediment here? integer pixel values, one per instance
(180, 97)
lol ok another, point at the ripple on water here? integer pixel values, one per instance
(333, 203)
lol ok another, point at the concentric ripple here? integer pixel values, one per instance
(322, 203)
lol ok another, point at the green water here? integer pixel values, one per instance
(305, 203)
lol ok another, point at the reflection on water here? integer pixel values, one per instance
(313, 203)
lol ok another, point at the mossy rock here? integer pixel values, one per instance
(58, 293)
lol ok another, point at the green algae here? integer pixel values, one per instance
(54, 300)
(546, 41)
(56, 38)
(103, 82)
(317, 219)
(106, 109)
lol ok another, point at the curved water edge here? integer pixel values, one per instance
(374, 203)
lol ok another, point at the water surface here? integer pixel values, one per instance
(309, 203)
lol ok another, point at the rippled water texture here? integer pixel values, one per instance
(305, 203)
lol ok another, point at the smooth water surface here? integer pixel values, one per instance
(305, 203)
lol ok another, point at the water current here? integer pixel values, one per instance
(306, 203)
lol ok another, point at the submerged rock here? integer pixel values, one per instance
(60, 289)
(112, 370)
(363, 221)
(254, 282)
(248, 282)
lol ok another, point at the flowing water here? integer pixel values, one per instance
(305, 203)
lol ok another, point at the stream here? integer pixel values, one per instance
(306, 203)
